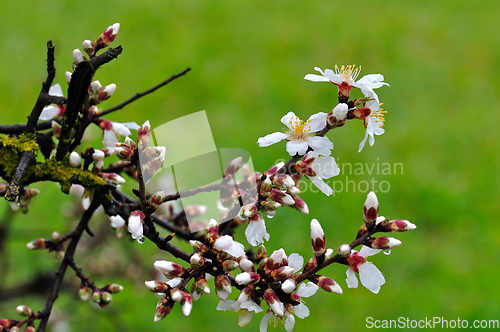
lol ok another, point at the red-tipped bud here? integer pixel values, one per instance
(107, 36)
(337, 114)
(283, 180)
(300, 205)
(143, 135)
(197, 261)
(230, 265)
(157, 286)
(247, 278)
(282, 273)
(163, 308)
(24, 311)
(186, 303)
(222, 286)
(266, 187)
(274, 303)
(212, 231)
(278, 258)
(281, 197)
(106, 92)
(370, 208)
(199, 247)
(88, 47)
(329, 285)
(317, 238)
(38, 244)
(383, 242)
(399, 225)
(157, 199)
(84, 292)
(169, 269)
(233, 167)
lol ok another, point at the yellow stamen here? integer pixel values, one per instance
(380, 116)
(348, 73)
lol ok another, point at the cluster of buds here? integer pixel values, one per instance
(54, 244)
(24, 199)
(91, 48)
(217, 255)
(101, 296)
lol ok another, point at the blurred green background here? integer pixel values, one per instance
(248, 60)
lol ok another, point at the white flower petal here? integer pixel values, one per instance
(316, 78)
(321, 145)
(374, 81)
(318, 182)
(307, 290)
(288, 119)
(131, 125)
(256, 232)
(371, 277)
(301, 311)
(296, 147)
(271, 139)
(251, 306)
(56, 90)
(367, 251)
(317, 121)
(289, 322)
(264, 322)
(225, 305)
(330, 74)
(324, 166)
(120, 129)
(49, 112)
(295, 261)
(351, 280)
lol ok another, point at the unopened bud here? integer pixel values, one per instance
(199, 247)
(75, 160)
(176, 295)
(106, 297)
(337, 114)
(84, 293)
(157, 199)
(186, 304)
(106, 92)
(230, 265)
(289, 285)
(197, 261)
(317, 238)
(24, 311)
(370, 208)
(114, 288)
(88, 47)
(77, 56)
(37, 244)
(247, 277)
(329, 285)
(384, 242)
(157, 286)
(344, 250)
(56, 237)
(96, 296)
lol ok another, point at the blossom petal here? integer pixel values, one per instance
(297, 147)
(367, 251)
(264, 322)
(324, 166)
(301, 310)
(316, 78)
(251, 306)
(256, 232)
(56, 90)
(330, 74)
(120, 129)
(351, 280)
(374, 81)
(371, 277)
(110, 140)
(307, 290)
(49, 112)
(318, 182)
(288, 118)
(295, 261)
(131, 125)
(289, 322)
(321, 145)
(271, 139)
(225, 305)
(317, 121)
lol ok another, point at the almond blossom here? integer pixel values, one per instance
(317, 168)
(369, 274)
(374, 122)
(300, 135)
(114, 129)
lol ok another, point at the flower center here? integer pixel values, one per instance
(300, 129)
(348, 73)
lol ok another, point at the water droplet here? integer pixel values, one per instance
(387, 251)
(270, 217)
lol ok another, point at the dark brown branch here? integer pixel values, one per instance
(27, 158)
(70, 251)
(42, 98)
(142, 94)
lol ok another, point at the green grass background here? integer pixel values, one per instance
(248, 60)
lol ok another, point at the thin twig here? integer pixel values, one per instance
(44, 314)
(141, 94)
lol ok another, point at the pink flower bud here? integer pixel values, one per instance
(233, 167)
(282, 273)
(197, 261)
(337, 114)
(169, 269)
(163, 308)
(329, 285)
(370, 208)
(24, 311)
(274, 303)
(106, 92)
(157, 199)
(186, 304)
(157, 286)
(88, 47)
(37, 244)
(384, 242)
(199, 247)
(176, 295)
(135, 226)
(143, 135)
(317, 238)
(246, 278)
(107, 36)
(399, 225)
